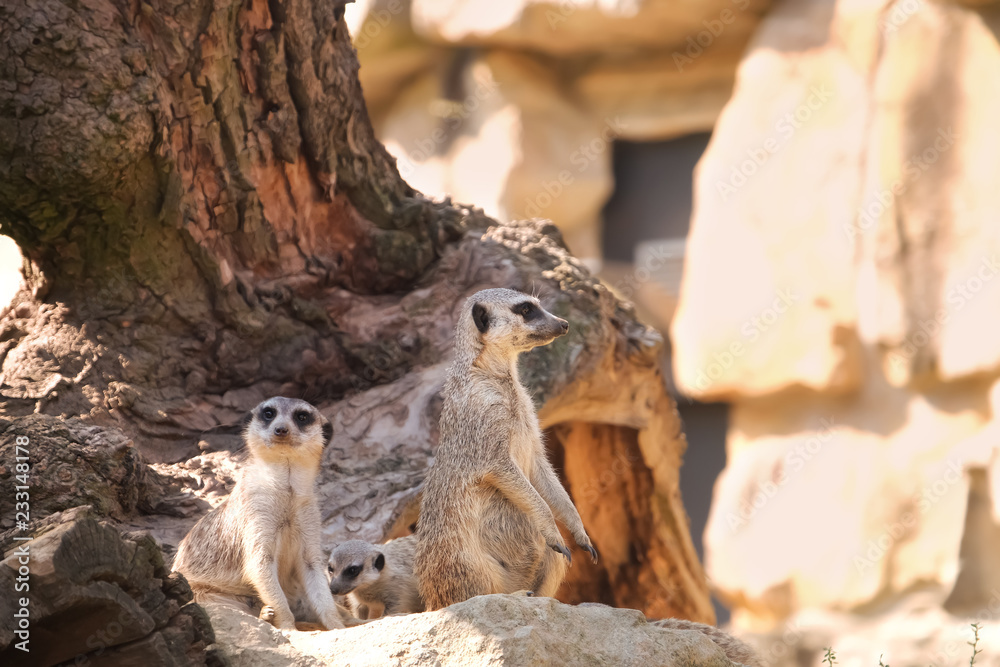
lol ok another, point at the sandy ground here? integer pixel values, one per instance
(10, 270)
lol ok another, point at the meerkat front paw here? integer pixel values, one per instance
(583, 541)
(267, 614)
(561, 548)
(276, 618)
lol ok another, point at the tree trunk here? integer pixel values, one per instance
(207, 220)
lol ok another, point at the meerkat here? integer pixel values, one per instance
(736, 650)
(377, 579)
(491, 499)
(263, 541)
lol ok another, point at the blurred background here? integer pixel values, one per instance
(803, 197)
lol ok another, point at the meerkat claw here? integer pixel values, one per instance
(267, 614)
(564, 551)
(594, 556)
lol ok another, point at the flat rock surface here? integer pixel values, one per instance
(486, 630)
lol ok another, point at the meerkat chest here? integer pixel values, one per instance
(525, 435)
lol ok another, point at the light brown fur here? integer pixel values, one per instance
(735, 650)
(264, 540)
(488, 514)
(377, 579)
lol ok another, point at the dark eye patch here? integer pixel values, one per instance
(527, 310)
(267, 414)
(352, 571)
(303, 418)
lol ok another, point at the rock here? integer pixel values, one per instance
(485, 630)
(912, 631)
(653, 97)
(848, 190)
(860, 515)
(71, 464)
(98, 597)
(567, 27)
(507, 138)
(729, 334)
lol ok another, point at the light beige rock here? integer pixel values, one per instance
(510, 142)
(767, 301)
(390, 53)
(486, 630)
(927, 235)
(911, 632)
(838, 503)
(657, 96)
(586, 26)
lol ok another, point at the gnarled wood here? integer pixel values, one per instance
(208, 220)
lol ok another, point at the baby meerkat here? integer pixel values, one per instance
(377, 578)
(490, 503)
(264, 540)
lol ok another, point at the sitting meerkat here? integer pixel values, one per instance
(264, 540)
(377, 579)
(491, 499)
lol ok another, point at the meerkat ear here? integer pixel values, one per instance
(481, 317)
(379, 562)
(247, 418)
(327, 432)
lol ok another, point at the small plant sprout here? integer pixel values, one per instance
(830, 658)
(974, 644)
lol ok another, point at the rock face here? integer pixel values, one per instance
(850, 185)
(97, 597)
(516, 108)
(486, 630)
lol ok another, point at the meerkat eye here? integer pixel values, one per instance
(303, 417)
(268, 414)
(352, 571)
(527, 310)
(329, 568)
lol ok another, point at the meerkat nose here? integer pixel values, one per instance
(565, 325)
(281, 430)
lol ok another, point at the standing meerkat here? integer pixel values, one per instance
(377, 579)
(490, 503)
(264, 540)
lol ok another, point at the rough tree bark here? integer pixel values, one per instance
(207, 219)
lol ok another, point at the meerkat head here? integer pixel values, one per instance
(354, 564)
(281, 427)
(507, 320)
